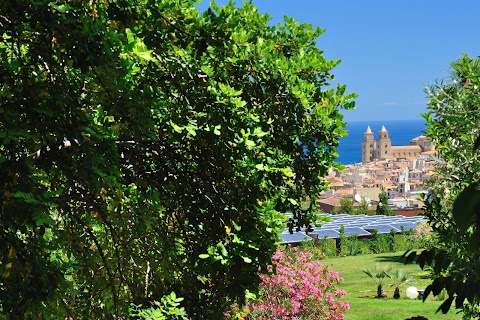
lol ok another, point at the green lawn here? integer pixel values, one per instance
(361, 290)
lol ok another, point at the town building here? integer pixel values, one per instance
(399, 170)
(382, 148)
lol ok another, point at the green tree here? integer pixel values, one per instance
(378, 275)
(382, 206)
(346, 206)
(362, 208)
(453, 119)
(399, 278)
(147, 149)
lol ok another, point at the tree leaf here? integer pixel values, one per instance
(250, 144)
(62, 8)
(41, 218)
(466, 207)
(247, 259)
(293, 201)
(445, 306)
(476, 145)
(427, 291)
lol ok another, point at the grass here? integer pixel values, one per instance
(361, 290)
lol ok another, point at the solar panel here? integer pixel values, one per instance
(330, 227)
(386, 221)
(294, 238)
(398, 221)
(373, 218)
(336, 218)
(347, 221)
(356, 230)
(381, 228)
(286, 231)
(353, 224)
(376, 221)
(289, 215)
(369, 219)
(359, 224)
(392, 217)
(341, 215)
(406, 225)
(417, 218)
(321, 233)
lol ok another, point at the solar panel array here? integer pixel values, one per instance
(294, 237)
(360, 225)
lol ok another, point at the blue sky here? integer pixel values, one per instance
(390, 50)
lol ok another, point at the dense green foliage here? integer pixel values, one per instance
(382, 206)
(380, 243)
(346, 206)
(147, 149)
(362, 208)
(453, 120)
(167, 309)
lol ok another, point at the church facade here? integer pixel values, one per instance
(382, 148)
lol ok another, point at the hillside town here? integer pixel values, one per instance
(400, 170)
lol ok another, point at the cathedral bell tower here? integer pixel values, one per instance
(384, 144)
(368, 146)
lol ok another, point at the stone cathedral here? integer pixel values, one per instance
(382, 147)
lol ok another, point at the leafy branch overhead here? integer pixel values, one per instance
(454, 203)
(147, 148)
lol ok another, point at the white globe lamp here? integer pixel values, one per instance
(412, 293)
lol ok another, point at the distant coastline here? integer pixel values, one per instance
(400, 132)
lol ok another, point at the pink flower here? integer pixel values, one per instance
(299, 287)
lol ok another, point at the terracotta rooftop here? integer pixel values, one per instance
(394, 148)
(429, 153)
(336, 183)
(344, 191)
(330, 200)
(429, 174)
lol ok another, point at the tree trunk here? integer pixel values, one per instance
(380, 292)
(396, 293)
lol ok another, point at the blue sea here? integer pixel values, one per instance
(400, 132)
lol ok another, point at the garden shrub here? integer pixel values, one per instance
(299, 287)
(167, 309)
(419, 238)
(381, 243)
(327, 246)
(352, 246)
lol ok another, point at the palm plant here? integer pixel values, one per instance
(399, 278)
(378, 275)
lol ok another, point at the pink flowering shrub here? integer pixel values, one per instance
(299, 287)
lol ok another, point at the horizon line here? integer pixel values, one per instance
(376, 120)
